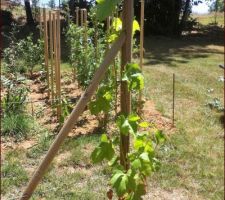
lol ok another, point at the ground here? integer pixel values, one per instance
(192, 158)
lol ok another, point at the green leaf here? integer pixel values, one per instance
(102, 102)
(136, 26)
(144, 156)
(133, 118)
(139, 192)
(116, 177)
(104, 138)
(133, 77)
(113, 161)
(105, 8)
(97, 155)
(117, 24)
(144, 124)
(160, 137)
(136, 164)
(120, 182)
(128, 125)
(105, 150)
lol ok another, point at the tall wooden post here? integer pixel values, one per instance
(81, 17)
(51, 53)
(77, 16)
(46, 50)
(125, 94)
(58, 35)
(141, 43)
(85, 27)
(40, 24)
(55, 58)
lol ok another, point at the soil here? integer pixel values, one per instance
(46, 115)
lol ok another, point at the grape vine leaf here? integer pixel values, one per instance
(105, 8)
(105, 150)
(134, 77)
(120, 182)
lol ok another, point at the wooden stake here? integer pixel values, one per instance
(46, 50)
(173, 114)
(85, 27)
(77, 16)
(141, 46)
(69, 124)
(125, 94)
(40, 24)
(55, 56)
(81, 17)
(51, 54)
(58, 63)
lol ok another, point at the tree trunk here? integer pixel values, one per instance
(30, 19)
(185, 16)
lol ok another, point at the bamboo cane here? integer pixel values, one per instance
(125, 94)
(77, 111)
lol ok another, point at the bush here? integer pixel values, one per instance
(32, 53)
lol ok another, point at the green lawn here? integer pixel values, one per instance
(194, 158)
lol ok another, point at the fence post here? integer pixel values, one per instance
(125, 94)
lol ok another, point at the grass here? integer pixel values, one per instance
(17, 125)
(12, 172)
(210, 18)
(194, 157)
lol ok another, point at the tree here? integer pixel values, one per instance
(30, 19)
(51, 3)
(166, 17)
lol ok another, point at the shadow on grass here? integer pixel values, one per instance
(175, 51)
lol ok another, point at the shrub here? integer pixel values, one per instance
(32, 53)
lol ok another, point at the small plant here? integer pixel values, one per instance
(83, 57)
(16, 125)
(15, 122)
(14, 100)
(131, 183)
(32, 53)
(11, 55)
(67, 107)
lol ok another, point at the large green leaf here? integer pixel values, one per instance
(105, 8)
(105, 150)
(103, 101)
(134, 77)
(120, 182)
(127, 125)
